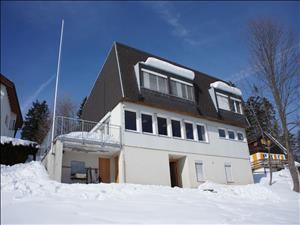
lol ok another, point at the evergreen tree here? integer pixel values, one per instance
(265, 115)
(79, 112)
(37, 122)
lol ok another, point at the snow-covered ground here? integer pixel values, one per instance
(28, 196)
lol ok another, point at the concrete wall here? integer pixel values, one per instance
(149, 166)
(146, 156)
(6, 113)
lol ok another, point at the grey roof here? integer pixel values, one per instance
(117, 82)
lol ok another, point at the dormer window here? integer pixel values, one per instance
(182, 89)
(155, 81)
(229, 103)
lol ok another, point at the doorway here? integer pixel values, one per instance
(174, 173)
(104, 170)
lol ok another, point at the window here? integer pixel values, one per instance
(201, 133)
(199, 171)
(130, 120)
(12, 124)
(235, 105)
(155, 82)
(222, 133)
(240, 136)
(228, 173)
(162, 126)
(182, 90)
(77, 167)
(223, 101)
(231, 135)
(6, 120)
(189, 132)
(147, 123)
(176, 128)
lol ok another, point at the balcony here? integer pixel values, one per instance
(82, 135)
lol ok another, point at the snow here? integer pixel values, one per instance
(93, 136)
(29, 196)
(16, 141)
(160, 64)
(225, 87)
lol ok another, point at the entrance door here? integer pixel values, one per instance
(104, 170)
(174, 174)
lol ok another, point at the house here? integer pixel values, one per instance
(156, 122)
(259, 155)
(11, 116)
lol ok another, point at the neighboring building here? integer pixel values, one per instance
(259, 155)
(11, 117)
(157, 122)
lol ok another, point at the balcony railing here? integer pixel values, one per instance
(83, 132)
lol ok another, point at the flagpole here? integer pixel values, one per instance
(56, 85)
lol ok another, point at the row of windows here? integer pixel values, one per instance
(200, 172)
(228, 103)
(162, 126)
(158, 82)
(230, 134)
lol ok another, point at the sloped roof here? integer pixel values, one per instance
(128, 57)
(13, 99)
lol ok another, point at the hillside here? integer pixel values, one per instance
(28, 196)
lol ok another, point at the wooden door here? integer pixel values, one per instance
(104, 170)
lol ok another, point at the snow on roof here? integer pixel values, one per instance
(160, 64)
(225, 87)
(16, 141)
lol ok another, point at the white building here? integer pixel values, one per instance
(157, 122)
(11, 117)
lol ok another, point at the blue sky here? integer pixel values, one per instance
(207, 36)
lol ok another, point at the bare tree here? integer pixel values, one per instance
(276, 55)
(66, 107)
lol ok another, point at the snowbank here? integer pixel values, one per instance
(16, 141)
(160, 64)
(225, 87)
(26, 191)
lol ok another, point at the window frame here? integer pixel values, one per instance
(153, 73)
(225, 96)
(221, 128)
(205, 130)
(141, 121)
(181, 133)
(181, 82)
(234, 133)
(136, 120)
(235, 105)
(163, 117)
(203, 173)
(185, 130)
(228, 164)
(237, 135)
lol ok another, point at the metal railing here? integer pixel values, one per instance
(82, 132)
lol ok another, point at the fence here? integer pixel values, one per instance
(81, 131)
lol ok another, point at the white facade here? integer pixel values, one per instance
(145, 158)
(8, 118)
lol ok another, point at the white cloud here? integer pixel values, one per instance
(34, 96)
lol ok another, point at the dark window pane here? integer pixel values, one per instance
(238, 107)
(184, 91)
(240, 136)
(147, 123)
(162, 126)
(176, 128)
(201, 133)
(222, 133)
(130, 120)
(77, 167)
(189, 131)
(231, 104)
(174, 88)
(231, 135)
